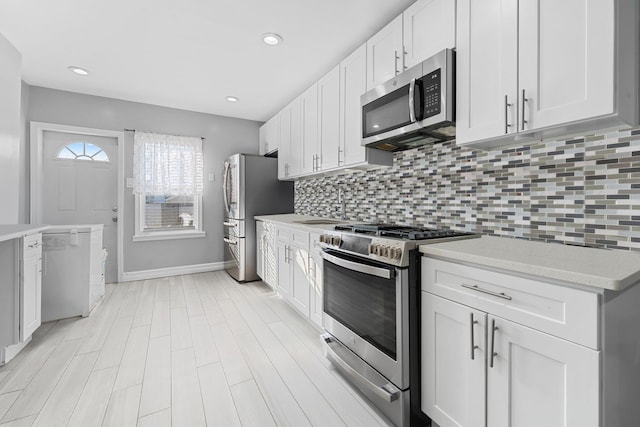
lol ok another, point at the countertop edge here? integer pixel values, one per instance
(23, 232)
(567, 276)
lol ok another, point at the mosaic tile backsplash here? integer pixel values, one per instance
(582, 191)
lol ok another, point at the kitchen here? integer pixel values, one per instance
(575, 187)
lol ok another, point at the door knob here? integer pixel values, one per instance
(114, 219)
(115, 209)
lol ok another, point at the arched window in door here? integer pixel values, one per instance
(83, 151)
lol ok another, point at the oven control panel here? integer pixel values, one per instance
(386, 251)
(375, 248)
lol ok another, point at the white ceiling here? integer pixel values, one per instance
(190, 54)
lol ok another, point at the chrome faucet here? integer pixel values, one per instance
(343, 204)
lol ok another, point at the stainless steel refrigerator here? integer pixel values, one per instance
(250, 188)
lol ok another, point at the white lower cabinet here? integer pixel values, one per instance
(31, 285)
(482, 369)
(532, 378)
(298, 278)
(315, 279)
(293, 267)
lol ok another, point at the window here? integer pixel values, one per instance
(83, 151)
(168, 184)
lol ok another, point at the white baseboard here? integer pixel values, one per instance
(157, 273)
(11, 351)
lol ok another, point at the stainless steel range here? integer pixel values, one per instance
(366, 307)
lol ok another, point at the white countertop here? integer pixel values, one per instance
(14, 231)
(599, 268)
(290, 221)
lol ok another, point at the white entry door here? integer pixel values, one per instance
(79, 185)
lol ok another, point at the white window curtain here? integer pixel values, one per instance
(167, 165)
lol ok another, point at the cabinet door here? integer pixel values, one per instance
(284, 269)
(540, 380)
(300, 279)
(271, 134)
(309, 113)
(487, 66)
(31, 286)
(329, 118)
(315, 275)
(284, 145)
(384, 54)
(353, 74)
(453, 372)
(296, 148)
(429, 27)
(566, 57)
(262, 138)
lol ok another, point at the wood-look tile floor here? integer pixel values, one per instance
(189, 350)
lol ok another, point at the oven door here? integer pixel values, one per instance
(365, 308)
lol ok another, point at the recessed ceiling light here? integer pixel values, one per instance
(79, 71)
(271, 39)
(233, 99)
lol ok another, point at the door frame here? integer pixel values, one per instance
(37, 130)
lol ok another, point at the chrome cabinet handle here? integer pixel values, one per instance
(228, 224)
(34, 245)
(506, 114)
(486, 291)
(395, 54)
(523, 101)
(412, 107)
(494, 328)
(404, 58)
(229, 241)
(473, 344)
(339, 152)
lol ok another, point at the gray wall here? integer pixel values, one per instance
(223, 137)
(10, 62)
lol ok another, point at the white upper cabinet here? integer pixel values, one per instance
(296, 145)
(270, 135)
(384, 54)
(284, 145)
(541, 68)
(487, 75)
(329, 118)
(353, 73)
(309, 117)
(566, 61)
(428, 27)
(424, 29)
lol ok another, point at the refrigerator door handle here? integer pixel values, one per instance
(225, 182)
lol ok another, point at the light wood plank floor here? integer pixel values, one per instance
(190, 350)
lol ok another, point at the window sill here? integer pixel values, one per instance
(167, 235)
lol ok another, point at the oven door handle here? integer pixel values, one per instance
(362, 268)
(387, 392)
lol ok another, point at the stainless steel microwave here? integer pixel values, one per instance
(414, 108)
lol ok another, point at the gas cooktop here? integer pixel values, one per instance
(400, 231)
(385, 242)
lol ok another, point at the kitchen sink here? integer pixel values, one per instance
(317, 221)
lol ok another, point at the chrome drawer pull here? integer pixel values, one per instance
(486, 291)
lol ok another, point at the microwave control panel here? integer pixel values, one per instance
(431, 89)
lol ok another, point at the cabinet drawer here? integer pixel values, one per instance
(293, 237)
(561, 311)
(32, 244)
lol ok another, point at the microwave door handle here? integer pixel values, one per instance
(412, 106)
